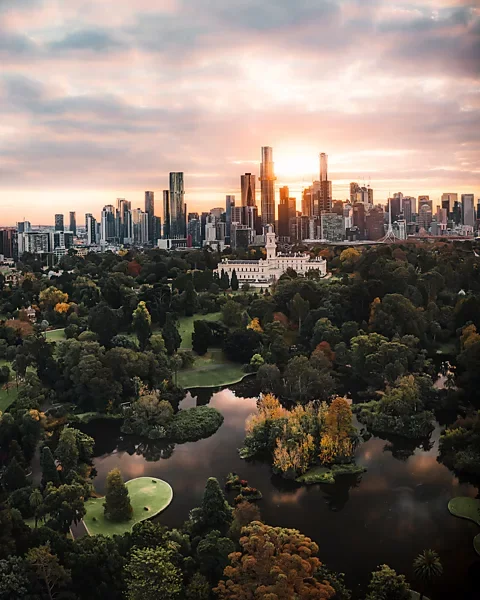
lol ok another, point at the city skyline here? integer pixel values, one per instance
(96, 105)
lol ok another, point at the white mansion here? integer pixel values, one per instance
(266, 271)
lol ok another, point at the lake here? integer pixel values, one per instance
(388, 515)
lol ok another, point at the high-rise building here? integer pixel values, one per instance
(468, 210)
(8, 242)
(35, 242)
(457, 212)
(424, 200)
(374, 224)
(194, 230)
(124, 229)
(267, 187)
(63, 239)
(332, 227)
(73, 223)
(448, 200)
(91, 230)
(107, 224)
(395, 207)
(140, 221)
(166, 214)
(323, 167)
(407, 209)
(286, 211)
(229, 204)
(323, 188)
(307, 201)
(23, 226)
(150, 211)
(247, 185)
(59, 224)
(424, 215)
(178, 223)
(358, 218)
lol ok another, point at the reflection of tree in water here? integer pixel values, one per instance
(337, 495)
(402, 448)
(151, 450)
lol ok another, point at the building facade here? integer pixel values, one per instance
(178, 220)
(267, 186)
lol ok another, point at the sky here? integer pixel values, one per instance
(102, 99)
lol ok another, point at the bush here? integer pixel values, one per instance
(194, 424)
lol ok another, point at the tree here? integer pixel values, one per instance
(299, 309)
(427, 567)
(304, 383)
(52, 296)
(201, 337)
(67, 451)
(36, 501)
(189, 297)
(49, 468)
(170, 335)
(157, 344)
(151, 575)
(234, 281)
(142, 324)
(232, 313)
(244, 513)
(386, 584)
(198, 588)
(224, 280)
(280, 562)
(64, 504)
(14, 582)
(269, 379)
(212, 554)
(48, 569)
(117, 505)
(336, 441)
(104, 321)
(215, 512)
(14, 477)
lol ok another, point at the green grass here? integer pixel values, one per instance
(211, 370)
(56, 335)
(319, 474)
(144, 491)
(185, 327)
(7, 399)
(467, 508)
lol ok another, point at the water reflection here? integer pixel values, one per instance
(387, 515)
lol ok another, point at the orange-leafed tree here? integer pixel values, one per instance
(336, 440)
(52, 296)
(269, 409)
(62, 308)
(255, 325)
(275, 563)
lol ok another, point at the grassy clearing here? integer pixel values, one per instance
(8, 398)
(149, 492)
(211, 370)
(185, 327)
(324, 475)
(56, 335)
(467, 508)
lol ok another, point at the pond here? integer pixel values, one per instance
(388, 515)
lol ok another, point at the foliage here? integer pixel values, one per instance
(427, 566)
(151, 575)
(232, 313)
(48, 569)
(459, 447)
(385, 583)
(117, 505)
(201, 337)
(281, 562)
(336, 440)
(214, 513)
(192, 424)
(149, 416)
(142, 324)
(14, 477)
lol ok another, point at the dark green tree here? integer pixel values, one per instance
(386, 584)
(67, 451)
(151, 575)
(201, 337)
(234, 281)
(215, 512)
(299, 309)
(117, 505)
(189, 297)
(171, 335)
(64, 504)
(212, 555)
(14, 477)
(14, 582)
(224, 280)
(48, 569)
(104, 321)
(49, 469)
(427, 568)
(198, 588)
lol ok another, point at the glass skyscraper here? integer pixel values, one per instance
(267, 186)
(178, 224)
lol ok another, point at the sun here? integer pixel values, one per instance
(290, 163)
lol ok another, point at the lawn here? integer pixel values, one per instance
(211, 370)
(7, 399)
(56, 335)
(185, 326)
(467, 508)
(149, 492)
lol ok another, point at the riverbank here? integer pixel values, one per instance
(467, 508)
(149, 497)
(212, 369)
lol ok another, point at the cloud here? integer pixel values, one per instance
(87, 39)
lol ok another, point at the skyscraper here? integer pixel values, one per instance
(448, 201)
(286, 211)
(166, 214)
(323, 166)
(407, 209)
(150, 211)
(73, 223)
(267, 186)
(394, 207)
(59, 226)
(178, 224)
(468, 210)
(247, 184)
(91, 229)
(322, 189)
(107, 224)
(229, 204)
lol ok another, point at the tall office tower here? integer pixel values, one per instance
(73, 223)
(478, 209)
(8, 237)
(323, 166)
(124, 230)
(332, 227)
(107, 224)
(247, 186)
(394, 207)
(358, 218)
(157, 229)
(324, 199)
(468, 210)
(442, 216)
(286, 211)
(178, 224)
(355, 191)
(229, 204)
(407, 209)
(267, 186)
(448, 201)
(194, 230)
(140, 226)
(457, 212)
(91, 230)
(24, 226)
(307, 201)
(166, 214)
(374, 224)
(59, 225)
(424, 200)
(150, 211)
(424, 216)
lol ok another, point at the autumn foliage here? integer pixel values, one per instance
(275, 563)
